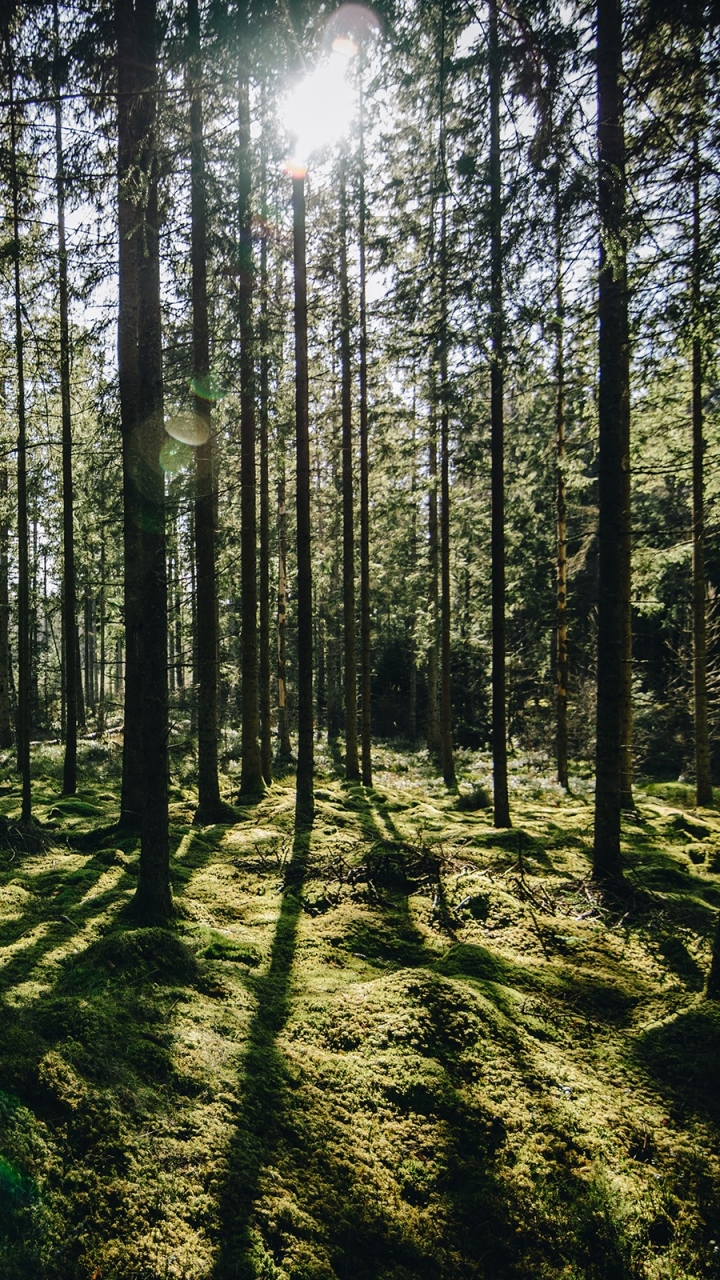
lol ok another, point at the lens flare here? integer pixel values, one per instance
(188, 428)
(319, 110)
(175, 456)
(208, 387)
(355, 23)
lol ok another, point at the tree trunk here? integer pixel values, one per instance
(448, 763)
(433, 716)
(209, 808)
(703, 781)
(69, 784)
(265, 712)
(23, 718)
(152, 899)
(5, 715)
(284, 747)
(561, 673)
(365, 655)
(613, 415)
(305, 766)
(251, 778)
(131, 795)
(352, 763)
(501, 804)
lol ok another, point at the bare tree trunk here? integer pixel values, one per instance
(69, 784)
(23, 719)
(448, 763)
(284, 747)
(265, 712)
(703, 780)
(152, 899)
(209, 808)
(131, 795)
(433, 714)
(613, 411)
(501, 804)
(251, 779)
(305, 804)
(5, 716)
(352, 763)
(365, 654)
(561, 674)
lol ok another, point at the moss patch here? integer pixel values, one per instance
(401, 1046)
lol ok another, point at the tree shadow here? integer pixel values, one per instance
(681, 1059)
(265, 1081)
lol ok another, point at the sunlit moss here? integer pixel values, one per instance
(410, 1047)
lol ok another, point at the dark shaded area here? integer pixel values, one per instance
(681, 1059)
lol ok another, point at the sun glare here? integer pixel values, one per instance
(319, 110)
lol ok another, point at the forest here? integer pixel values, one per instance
(359, 640)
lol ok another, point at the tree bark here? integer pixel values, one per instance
(152, 899)
(703, 780)
(448, 763)
(352, 763)
(251, 778)
(131, 794)
(305, 766)
(433, 711)
(23, 718)
(209, 806)
(613, 415)
(365, 628)
(561, 673)
(69, 784)
(501, 804)
(6, 737)
(284, 747)
(265, 711)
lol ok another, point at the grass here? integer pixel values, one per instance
(402, 1046)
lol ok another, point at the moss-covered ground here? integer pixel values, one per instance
(401, 1046)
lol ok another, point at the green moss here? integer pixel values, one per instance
(402, 1047)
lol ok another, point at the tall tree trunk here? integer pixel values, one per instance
(5, 716)
(352, 763)
(101, 619)
(152, 898)
(265, 711)
(305, 804)
(131, 795)
(448, 763)
(251, 778)
(69, 784)
(613, 414)
(561, 673)
(433, 710)
(501, 804)
(284, 747)
(23, 718)
(365, 655)
(208, 809)
(703, 781)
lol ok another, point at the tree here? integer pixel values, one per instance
(251, 783)
(501, 805)
(69, 587)
(352, 764)
(23, 642)
(613, 458)
(209, 807)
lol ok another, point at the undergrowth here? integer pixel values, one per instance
(403, 1046)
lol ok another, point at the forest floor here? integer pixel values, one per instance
(402, 1046)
